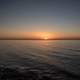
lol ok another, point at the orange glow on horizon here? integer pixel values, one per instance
(43, 35)
(36, 35)
(32, 35)
(45, 38)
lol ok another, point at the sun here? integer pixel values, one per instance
(45, 38)
(43, 35)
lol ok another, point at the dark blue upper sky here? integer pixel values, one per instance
(60, 16)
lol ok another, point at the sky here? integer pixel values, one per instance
(39, 18)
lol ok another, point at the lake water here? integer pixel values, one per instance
(64, 54)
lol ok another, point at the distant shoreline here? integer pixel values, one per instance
(40, 39)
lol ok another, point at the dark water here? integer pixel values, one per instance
(65, 54)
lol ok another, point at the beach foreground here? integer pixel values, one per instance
(43, 72)
(39, 60)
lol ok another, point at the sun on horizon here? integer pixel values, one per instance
(46, 38)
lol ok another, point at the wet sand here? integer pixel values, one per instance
(41, 72)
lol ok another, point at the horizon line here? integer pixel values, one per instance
(39, 39)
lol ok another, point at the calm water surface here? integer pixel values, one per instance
(62, 53)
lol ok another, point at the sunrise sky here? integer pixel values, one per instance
(38, 19)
